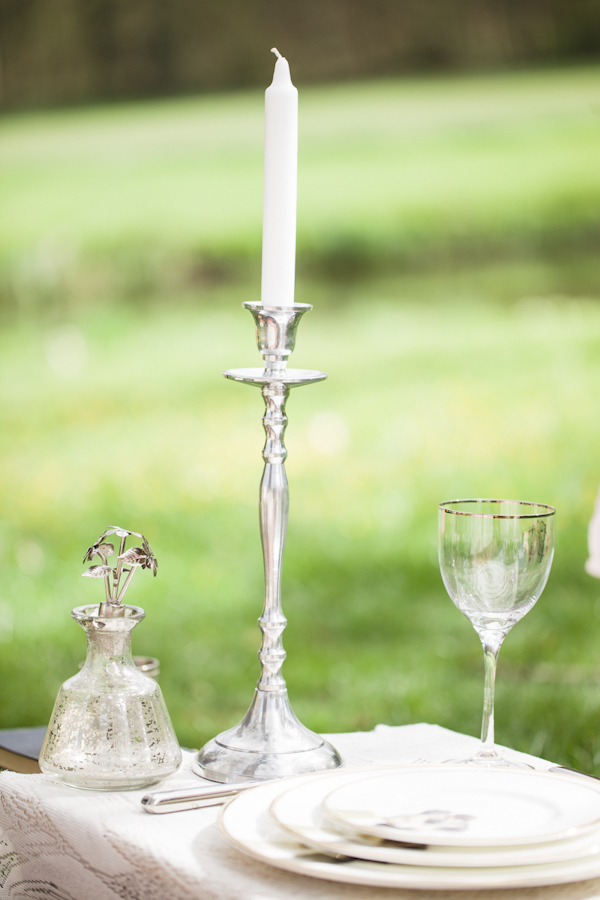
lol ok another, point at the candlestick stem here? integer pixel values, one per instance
(270, 742)
(273, 512)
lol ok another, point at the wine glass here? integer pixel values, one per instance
(495, 558)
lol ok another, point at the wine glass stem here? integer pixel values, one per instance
(491, 643)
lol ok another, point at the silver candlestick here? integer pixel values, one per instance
(270, 741)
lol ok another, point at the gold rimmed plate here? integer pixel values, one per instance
(466, 806)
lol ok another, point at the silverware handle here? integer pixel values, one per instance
(193, 798)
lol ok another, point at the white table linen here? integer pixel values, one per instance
(65, 844)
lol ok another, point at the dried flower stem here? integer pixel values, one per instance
(111, 610)
(106, 577)
(118, 570)
(130, 575)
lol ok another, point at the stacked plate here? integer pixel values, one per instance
(424, 826)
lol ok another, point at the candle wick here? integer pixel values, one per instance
(276, 52)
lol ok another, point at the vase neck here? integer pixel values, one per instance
(108, 648)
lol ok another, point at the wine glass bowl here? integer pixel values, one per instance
(495, 558)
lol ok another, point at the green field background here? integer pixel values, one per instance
(448, 238)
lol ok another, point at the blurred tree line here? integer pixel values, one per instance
(76, 51)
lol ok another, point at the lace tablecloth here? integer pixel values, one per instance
(65, 844)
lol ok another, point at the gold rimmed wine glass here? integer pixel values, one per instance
(495, 559)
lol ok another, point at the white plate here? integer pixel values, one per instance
(246, 823)
(465, 806)
(298, 810)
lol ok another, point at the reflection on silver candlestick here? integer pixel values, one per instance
(270, 742)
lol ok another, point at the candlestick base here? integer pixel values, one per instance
(269, 742)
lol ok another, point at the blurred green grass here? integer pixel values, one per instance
(445, 380)
(426, 400)
(160, 196)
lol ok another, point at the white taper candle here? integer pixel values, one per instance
(280, 188)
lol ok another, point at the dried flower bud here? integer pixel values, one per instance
(135, 556)
(101, 546)
(97, 572)
(140, 556)
(120, 532)
(99, 549)
(106, 549)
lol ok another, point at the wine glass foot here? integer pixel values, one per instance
(489, 760)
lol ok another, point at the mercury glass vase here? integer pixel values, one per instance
(110, 729)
